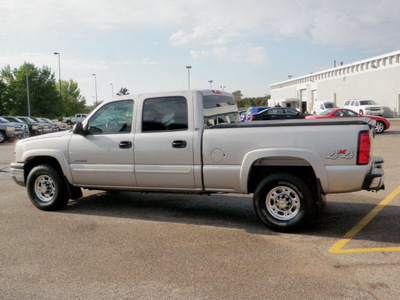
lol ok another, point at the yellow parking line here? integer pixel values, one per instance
(338, 247)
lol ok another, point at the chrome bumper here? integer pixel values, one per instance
(17, 173)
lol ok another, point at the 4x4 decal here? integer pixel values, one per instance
(341, 154)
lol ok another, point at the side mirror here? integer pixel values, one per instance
(78, 129)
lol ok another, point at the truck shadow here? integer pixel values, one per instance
(232, 211)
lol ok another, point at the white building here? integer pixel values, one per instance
(377, 79)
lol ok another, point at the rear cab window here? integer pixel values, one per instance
(219, 109)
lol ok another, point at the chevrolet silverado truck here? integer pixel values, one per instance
(193, 142)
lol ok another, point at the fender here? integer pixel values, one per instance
(56, 154)
(304, 157)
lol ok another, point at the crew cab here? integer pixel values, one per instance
(193, 142)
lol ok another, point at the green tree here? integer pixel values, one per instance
(72, 100)
(123, 91)
(44, 100)
(237, 96)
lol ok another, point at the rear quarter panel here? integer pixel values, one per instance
(331, 150)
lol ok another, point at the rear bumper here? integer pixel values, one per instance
(17, 173)
(374, 180)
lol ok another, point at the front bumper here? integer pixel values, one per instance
(374, 180)
(17, 173)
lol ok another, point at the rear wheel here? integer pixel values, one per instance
(379, 127)
(283, 202)
(46, 189)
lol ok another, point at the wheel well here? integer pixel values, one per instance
(258, 173)
(39, 160)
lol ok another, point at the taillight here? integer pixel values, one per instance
(364, 148)
(251, 117)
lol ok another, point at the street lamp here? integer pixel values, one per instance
(188, 68)
(27, 88)
(95, 86)
(112, 90)
(222, 87)
(59, 72)
(210, 81)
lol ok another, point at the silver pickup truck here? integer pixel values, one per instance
(193, 142)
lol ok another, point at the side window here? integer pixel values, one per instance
(114, 117)
(165, 113)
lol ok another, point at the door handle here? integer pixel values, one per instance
(125, 144)
(179, 144)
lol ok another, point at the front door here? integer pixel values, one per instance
(104, 156)
(164, 145)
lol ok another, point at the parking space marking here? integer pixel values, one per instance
(338, 247)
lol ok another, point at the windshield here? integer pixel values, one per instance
(330, 105)
(2, 120)
(326, 112)
(220, 109)
(367, 102)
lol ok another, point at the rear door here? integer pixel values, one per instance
(164, 155)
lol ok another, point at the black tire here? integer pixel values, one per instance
(3, 137)
(290, 202)
(380, 127)
(46, 189)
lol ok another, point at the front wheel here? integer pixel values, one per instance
(379, 127)
(283, 202)
(3, 137)
(46, 189)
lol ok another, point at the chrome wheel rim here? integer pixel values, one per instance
(45, 188)
(283, 203)
(379, 127)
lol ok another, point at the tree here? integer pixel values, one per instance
(123, 91)
(237, 95)
(44, 99)
(72, 100)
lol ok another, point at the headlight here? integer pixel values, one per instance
(34, 127)
(10, 128)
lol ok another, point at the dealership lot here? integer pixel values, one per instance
(146, 246)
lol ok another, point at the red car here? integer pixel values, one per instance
(382, 124)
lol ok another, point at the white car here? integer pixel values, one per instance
(364, 107)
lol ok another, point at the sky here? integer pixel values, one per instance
(145, 45)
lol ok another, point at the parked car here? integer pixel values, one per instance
(252, 111)
(56, 125)
(24, 132)
(364, 107)
(35, 128)
(53, 127)
(278, 113)
(76, 119)
(46, 126)
(289, 165)
(382, 123)
(322, 105)
(7, 131)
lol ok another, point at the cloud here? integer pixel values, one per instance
(341, 23)
(251, 55)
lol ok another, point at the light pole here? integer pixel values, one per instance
(188, 68)
(59, 72)
(210, 81)
(95, 86)
(112, 90)
(27, 88)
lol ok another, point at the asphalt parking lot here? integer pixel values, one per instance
(156, 246)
